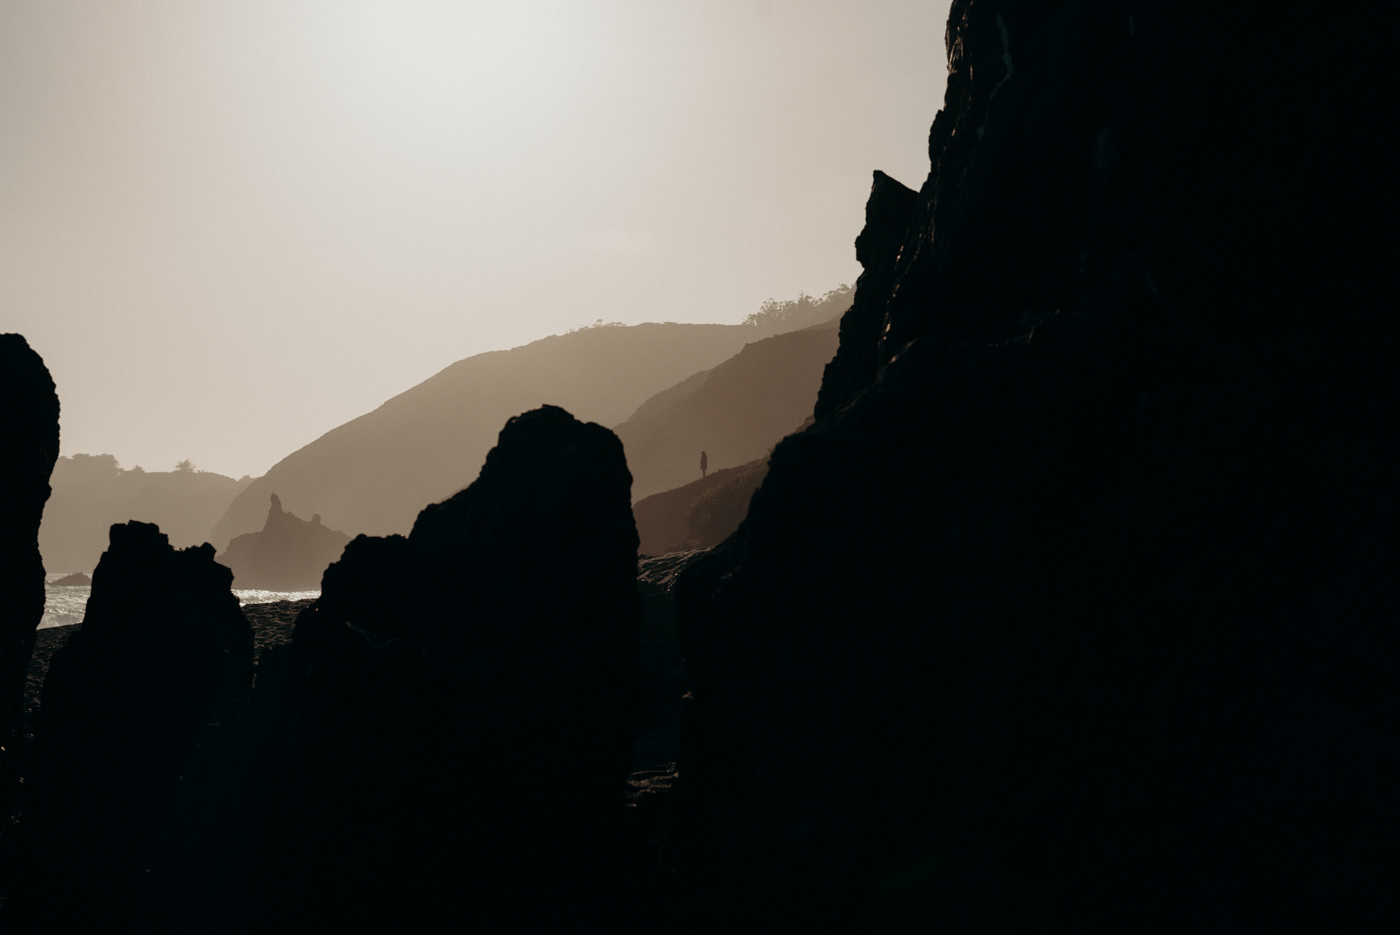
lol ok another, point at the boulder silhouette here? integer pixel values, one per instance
(1071, 612)
(162, 651)
(289, 554)
(473, 683)
(29, 429)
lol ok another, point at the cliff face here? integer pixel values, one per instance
(29, 429)
(1068, 613)
(887, 213)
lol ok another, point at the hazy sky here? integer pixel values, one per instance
(229, 227)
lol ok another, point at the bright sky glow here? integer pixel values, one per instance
(230, 226)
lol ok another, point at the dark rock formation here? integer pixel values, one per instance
(29, 434)
(162, 651)
(1071, 611)
(887, 215)
(47, 641)
(455, 712)
(271, 623)
(75, 580)
(290, 554)
(664, 681)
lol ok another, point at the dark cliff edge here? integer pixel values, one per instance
(29, 430)
(1069, 612)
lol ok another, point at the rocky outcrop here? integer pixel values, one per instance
(75, 580)
(29, 430)
(887, 214)
(289, 554)
(1069, 611)
(455, 712)
(163, 650)
(664, 681)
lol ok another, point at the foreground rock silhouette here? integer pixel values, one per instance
(163, 650)
(289, 554)
(455, 712)
(1070, 612)
(29, 432)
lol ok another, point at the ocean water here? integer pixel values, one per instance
(65, 605)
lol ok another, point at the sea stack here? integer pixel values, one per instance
(29, 436)
(289, 554)
(1071, 612)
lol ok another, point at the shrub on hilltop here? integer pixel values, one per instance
(92, 492)
(774, 317)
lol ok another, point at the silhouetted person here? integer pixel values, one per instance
(704, 463)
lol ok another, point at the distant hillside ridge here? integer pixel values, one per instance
(93, 492)
(374, 473)
(735, 412)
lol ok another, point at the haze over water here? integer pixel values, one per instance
(65, 605)
(229, 228)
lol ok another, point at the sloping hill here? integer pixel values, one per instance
(700, 515)
(734, 413)
(373, 474)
